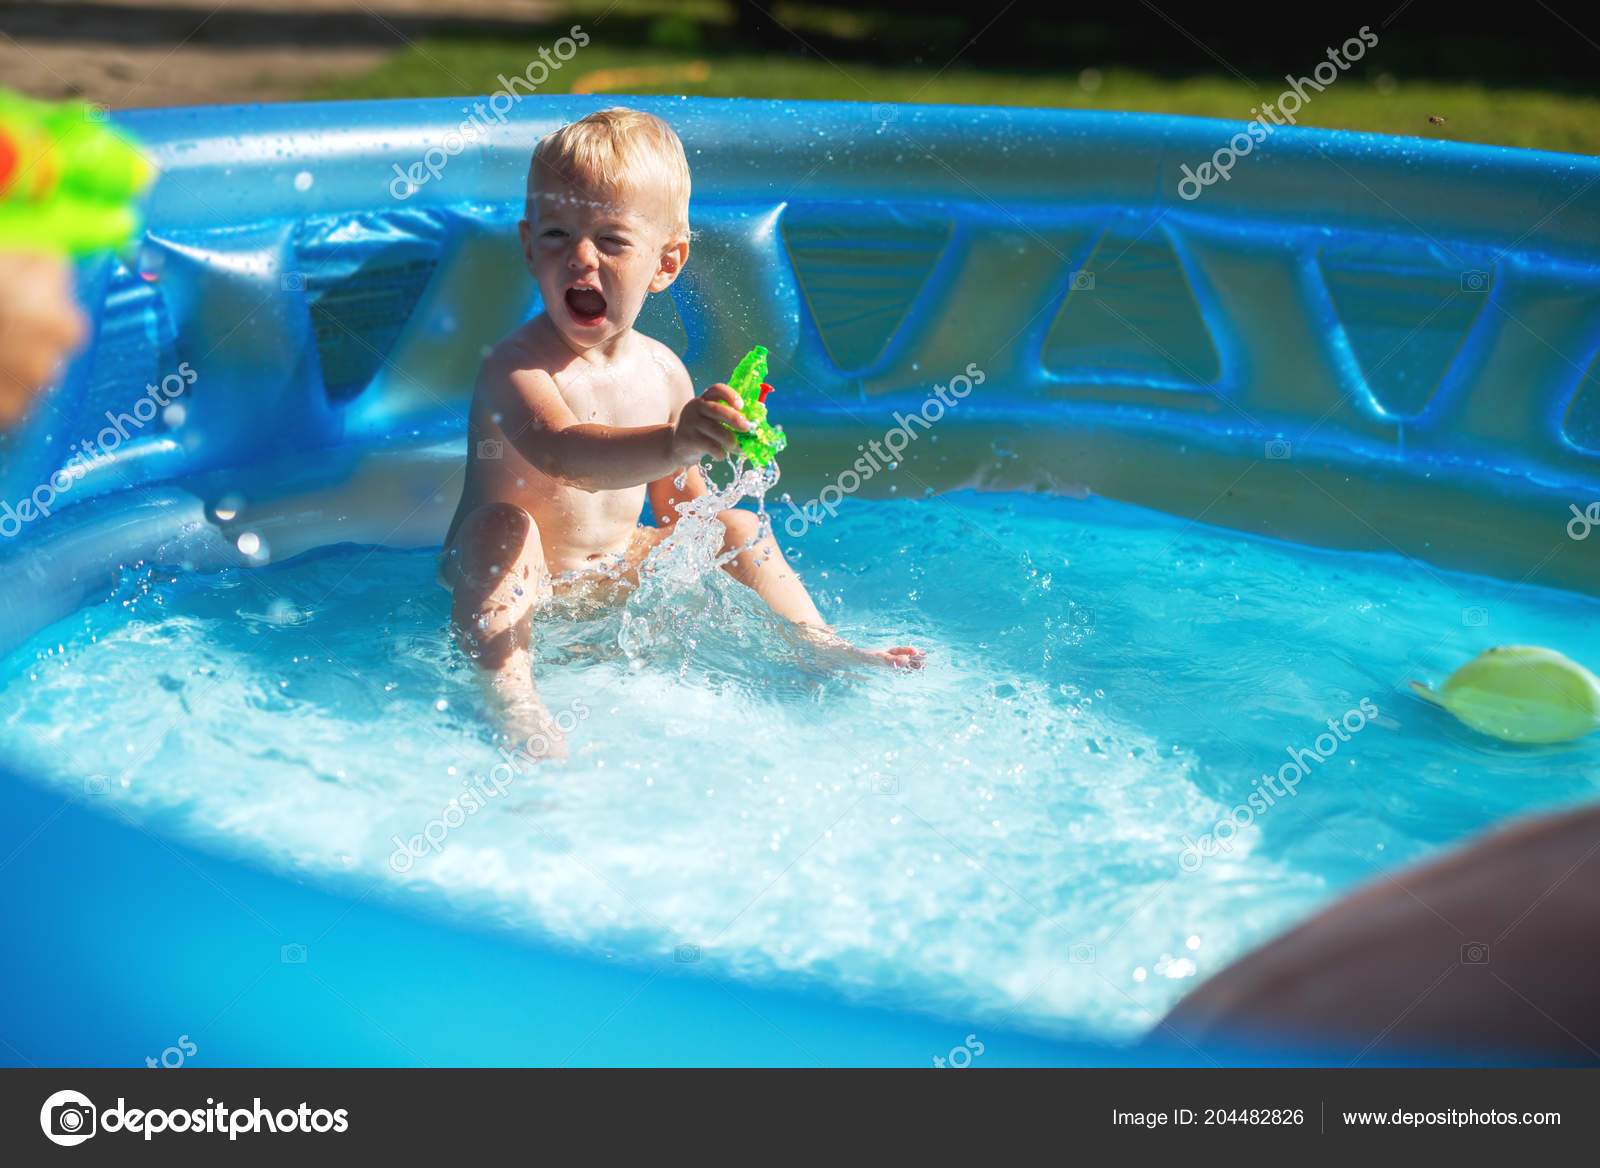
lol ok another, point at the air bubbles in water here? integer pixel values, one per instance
(303, 181)
(249, 543)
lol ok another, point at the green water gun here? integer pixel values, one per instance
(762, 443)
(68, 182)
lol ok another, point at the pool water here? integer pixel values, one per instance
(1025, 833)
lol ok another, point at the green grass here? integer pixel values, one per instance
(644, 33)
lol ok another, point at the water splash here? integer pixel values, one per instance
(682, 591)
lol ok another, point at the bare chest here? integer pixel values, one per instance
(630, 395)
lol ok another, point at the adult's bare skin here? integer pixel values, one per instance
(40, 325)
(1490, 948)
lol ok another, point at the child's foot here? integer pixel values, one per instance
(524, 723)
(900, 657)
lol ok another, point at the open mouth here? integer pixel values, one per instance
(587, 306)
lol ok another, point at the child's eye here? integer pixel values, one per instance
(553, 233)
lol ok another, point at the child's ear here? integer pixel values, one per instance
(525, 233)
(673, 257)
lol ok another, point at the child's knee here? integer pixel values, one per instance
(496, 539)
(496, 525)
(740, 527)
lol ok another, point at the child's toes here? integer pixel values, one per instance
(904, 657)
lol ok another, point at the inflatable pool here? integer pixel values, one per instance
(1361, 367)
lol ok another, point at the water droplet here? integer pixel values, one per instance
(228, 507)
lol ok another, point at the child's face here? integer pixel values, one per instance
(596, 256)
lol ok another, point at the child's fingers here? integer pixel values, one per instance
(724, 393)
(733, 418)
(726, 415)
(716, 438)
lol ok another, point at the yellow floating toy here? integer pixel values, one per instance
(1521, 693)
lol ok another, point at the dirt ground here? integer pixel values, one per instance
(128, 53)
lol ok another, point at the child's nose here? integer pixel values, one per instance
(584, 255)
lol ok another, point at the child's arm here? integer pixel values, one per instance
(544, 430)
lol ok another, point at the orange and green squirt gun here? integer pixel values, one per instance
(68, 182)
(762, 442)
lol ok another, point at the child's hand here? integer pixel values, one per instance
(700, 429)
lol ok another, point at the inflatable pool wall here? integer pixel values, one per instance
(1356, 341)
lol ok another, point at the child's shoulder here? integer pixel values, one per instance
(669, 364)
(520, 352)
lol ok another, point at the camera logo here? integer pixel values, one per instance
(1082, 280)
(686, 954)
(1278, 449)
(1475, 281)
(491, 448)
(1475, 953)
(67, 1118)
(1475, 617)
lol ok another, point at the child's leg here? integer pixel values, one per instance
(497, 575)
(760, 565)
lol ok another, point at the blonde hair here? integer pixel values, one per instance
(622, 151)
